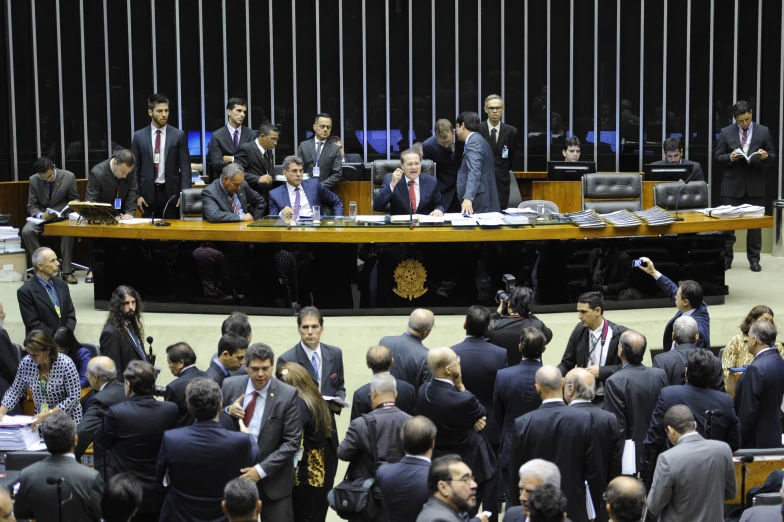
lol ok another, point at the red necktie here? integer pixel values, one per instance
(157, 151)
(235, 209)
(250, 409)
(745, 139)
(412, 196)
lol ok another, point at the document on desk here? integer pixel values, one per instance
(135, 221)
(464, 222)
(451, 216)
(431, 219)
(491, 222)
(371, 219)
(488, 215)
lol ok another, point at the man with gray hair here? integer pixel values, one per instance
(503, 140)
(45, 300)
(684, 338)
(533, 474)
(298, 196)
(229, 198)
(387, 421)
(409, 352)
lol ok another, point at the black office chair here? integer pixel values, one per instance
(16, 461)
(606, 193)
(692, 195)
(190, 204)
(352, 172)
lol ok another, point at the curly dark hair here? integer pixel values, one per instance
(116, 317)
(755, 313)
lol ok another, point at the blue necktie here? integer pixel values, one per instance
(314, 360)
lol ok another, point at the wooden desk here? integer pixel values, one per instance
(758, 472)
(568, 194)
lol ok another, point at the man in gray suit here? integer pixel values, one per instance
(680, 490)
(317, 153)
(50, 188)
(269, 409)
(409, 352)
(229, 198)
(477, 190)
(673, 155)
(114, 182)
(83, 486)
(452, 492)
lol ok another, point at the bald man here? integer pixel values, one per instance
(579, 390)
(380, 360)
(561, 435)
(409, 352)
(625, 499)
(459, 417)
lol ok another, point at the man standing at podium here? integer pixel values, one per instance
(503, 142)
(477, 190)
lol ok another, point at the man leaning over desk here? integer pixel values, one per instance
(229, 198)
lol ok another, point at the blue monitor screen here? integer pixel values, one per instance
(194, 142)
(607, 137)
(377, 140)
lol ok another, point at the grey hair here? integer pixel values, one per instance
(542, 469)
(231, 170)
(288, 160)
(684, 330)
(581, 391)
(104, 369)
(488, 100)
(38, 255)
(383, 384)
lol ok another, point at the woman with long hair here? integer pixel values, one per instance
(310, 494)
(66, 340)
(735, 354)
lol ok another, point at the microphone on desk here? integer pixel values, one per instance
(150, 355)
(163, 222)
(745, 459)
(678, 199)
(59, 482)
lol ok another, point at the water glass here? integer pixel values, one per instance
(316, 214)
(540, 212)
(352, 210)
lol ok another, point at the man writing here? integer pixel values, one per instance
(114, 182)
(230, 198)
(416, 195)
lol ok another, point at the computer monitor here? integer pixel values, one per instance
(667, 172)
(194, 142)
(569, 170)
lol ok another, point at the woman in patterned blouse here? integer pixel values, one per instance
(735, 354)
(51, 377)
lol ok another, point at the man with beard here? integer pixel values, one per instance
(452, 490)
(122, 338)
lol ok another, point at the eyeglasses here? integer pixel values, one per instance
(494, 109)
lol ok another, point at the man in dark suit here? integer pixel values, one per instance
(453, 492)
(231, 353)
(269, 409)
(50, 188)
(744, 180)
(182, 364)
(122, 338)
(688, 297)
(515, 394)
(760, 390)
(403, 484)
(196, 472)
(45, 301)
(380, 360)
(503, 142)
(37, 498)
(102, 374)
(409, 352)
(162, 161)
(632, 392)
(480, 361)
(256, 157)
(579, 386)
(114, 182)
(477, 189)
(323, 160)
(346, 158)
(227, 140)
(561, 435)
(534, 473)
(229, 199)
(673, 155)
(10, 357)
(593, 343)
(132, 435)
(459, 417)
(447, 154)
(418, 194)
(297, 197)
(685, 336)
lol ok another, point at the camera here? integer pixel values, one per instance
(502, 296)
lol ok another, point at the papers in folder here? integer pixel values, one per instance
(629, 460)
(16, 433)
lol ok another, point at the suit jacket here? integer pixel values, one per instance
(631, 394)
(216, 372)
(700, 314)
(562, 435)
(316, 193)
(515, 514)
(696, 172)
(113, 393)
(680, 491)
(353, 158)
(120, 348)
(399, 200)
(403, 488)
(454, 414)
(63, 192)
(674, 364)
(177, 161)
(222, 144)
(741, 176)
(103, 187)
(436, 511)
(216, 205)
(255, 165)
(506, 333)
(9, 364)
(330, 162)
(476, 176)
(132, 435)
(331, 380)
(175, 393)
(758, 397)
(507, 137)
(279, 438)
(609, 441)
(447, 164)
(37, 310)
(576, 353)
(761, 514)
(406, 400)
(514, 396)
(37, 499)
(410, 359)
(197, 473)
(480, 360)
(357, 451)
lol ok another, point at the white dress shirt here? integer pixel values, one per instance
(262, 149)
(490, 130)
(599, 355)
(162, 164)
(258, 413)
(304, 210)
(317, 351)
(552, 400)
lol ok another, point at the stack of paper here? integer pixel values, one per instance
(16, 433)
(655, 216)
(729, 211)
(515, 210)
(10, 240)
(372, 219)
(517, 219)
(622, 219)
(586, 219)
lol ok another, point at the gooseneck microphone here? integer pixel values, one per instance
(745, 459)
(678, 200)
(150, 355)
(59, 482)
(163, 222)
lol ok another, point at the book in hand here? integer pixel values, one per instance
(336, 400)
(748, 157)
(60, 213)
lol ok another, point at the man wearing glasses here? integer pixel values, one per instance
(503, 140)
(452, 490)
(256, 158)
(447, 154)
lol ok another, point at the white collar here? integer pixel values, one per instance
(420, 457)
(497, 127)
(162, 129)
(688, 312)
(416, 181)
(579, 401)
(443, 380)
(765, 350)
(185, 368)
(553, 400)
(103, 386)
(690, 434)
(291, 188)
(232, 129)
(310, 352)
(262, 392)
(598, 331)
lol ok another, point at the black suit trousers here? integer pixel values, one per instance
(159, 203)
(753, 236)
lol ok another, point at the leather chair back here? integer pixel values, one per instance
(606, 193)
(692, 195)
(190, 204)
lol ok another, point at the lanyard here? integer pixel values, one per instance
(43, 384)
(601, 339)
(53, 298)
